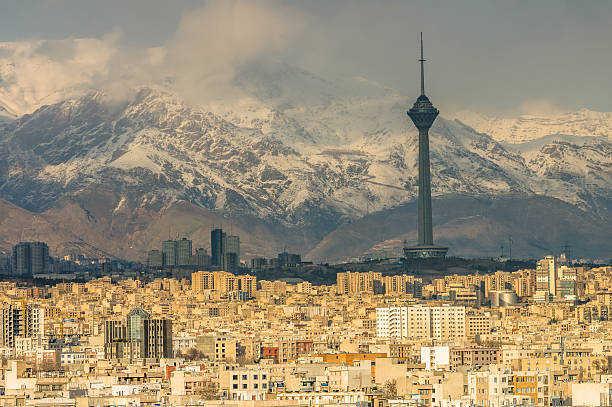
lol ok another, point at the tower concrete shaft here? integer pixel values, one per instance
(425, 223)
(423, 115)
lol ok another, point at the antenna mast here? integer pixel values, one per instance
(422, 67)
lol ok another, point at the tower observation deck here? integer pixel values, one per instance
(423, 114)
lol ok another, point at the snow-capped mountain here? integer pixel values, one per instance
(289, 147)
(526, 128)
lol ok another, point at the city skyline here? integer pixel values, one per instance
(222, 203)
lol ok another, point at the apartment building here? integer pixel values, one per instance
(223, 283)
(246, 383)
(349, 283)
(20, 321)
(421, 322)
(477, 324)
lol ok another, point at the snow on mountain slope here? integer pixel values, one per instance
(525, 128)
(286, 147)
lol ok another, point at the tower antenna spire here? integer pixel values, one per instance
(422, 67)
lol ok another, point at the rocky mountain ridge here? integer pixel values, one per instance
(294, 150)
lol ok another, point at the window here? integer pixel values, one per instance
(244, 377)
(244, 386)
(235, 377)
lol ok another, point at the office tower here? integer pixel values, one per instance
(136, 332)
(231, 248)
(169, 252)
(140, 337)
(289, 259)
(258, 263)
(183, 252)
(423, 114)
(201, 258)
(5, 263)
(232, 253)
(217, 251)
(114, 339)
(231, 262)
(567, 278)
(30, 258)
(155, 258)
(546, 275)
(232, 245)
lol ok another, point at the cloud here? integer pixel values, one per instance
(209, 46)
(540, 107)
(525, 55)
(214, 42)
(40, 72)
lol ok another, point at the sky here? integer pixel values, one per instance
(492, 56)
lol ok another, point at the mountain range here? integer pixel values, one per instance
(291, 160)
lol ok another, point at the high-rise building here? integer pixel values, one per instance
(201, 258)
(20, 321)
(289, 259)
(155, 258)
(30, 258)
(423, 114)
(202, 281)
(232, 245)
(115, 338)
(354, 283)
(231, 262)
(403, 284)
(247, 284)
(546, 276)
(567, 278)
(140, 337)
(183, 252)
(169, 253)
(217, 250)
(231, 254)
(223, 282)
(258, 263)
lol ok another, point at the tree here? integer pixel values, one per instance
(390, 389)
(191, 354)
(243, 360)
(46, 366)
(208, 391)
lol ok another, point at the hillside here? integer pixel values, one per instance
(290, 162)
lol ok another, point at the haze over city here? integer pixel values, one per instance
(287, 204)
